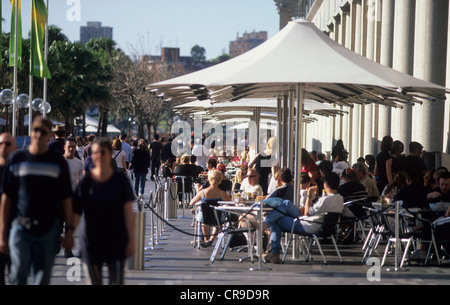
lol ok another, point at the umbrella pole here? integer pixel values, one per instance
(298, 155)
(298, 142)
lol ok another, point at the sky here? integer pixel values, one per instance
(144, 26)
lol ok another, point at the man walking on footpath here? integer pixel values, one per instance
(7, 147)
(75, 171)
(36, 192)
(127, 149)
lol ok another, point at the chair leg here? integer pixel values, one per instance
(385, 252)
(336, 248)
(227, 244)
(216, 247)
(368, 238)
(405, 254)
(287, 248)
(320, 249)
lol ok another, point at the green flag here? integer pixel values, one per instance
(13, 34)
(39, 15)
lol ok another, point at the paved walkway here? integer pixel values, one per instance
(177, 262)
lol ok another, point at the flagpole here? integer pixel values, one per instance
(16, 46)
(45, 58)
(30, 109)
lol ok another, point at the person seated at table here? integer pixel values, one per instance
(414, 194)
(212, 194)
(341, 163)
(441, 193)
(351, 190)
(250, 186)
(239, 176)
(326, 166)
(305, 184)
(286, 190)
(431, 181)
(281, 220)
(210, 165)
(226, 184)
(398, 182)
(197, 169)
(168, 167)
(187, 170)
(364, 179)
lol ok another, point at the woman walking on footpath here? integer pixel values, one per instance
(119, 156)
(105, 198)
(140, 163)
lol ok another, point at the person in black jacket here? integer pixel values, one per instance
(187, 170)
(140, 162)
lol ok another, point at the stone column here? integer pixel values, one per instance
(403, 61)
(386, 57)
(285, 17)
(447, 104)
(430, 64)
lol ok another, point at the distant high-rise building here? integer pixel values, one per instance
(247, 42)
(95, 30)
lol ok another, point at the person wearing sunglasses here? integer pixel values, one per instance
(250, 185)
(36, 186)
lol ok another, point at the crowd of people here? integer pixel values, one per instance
(61, 183)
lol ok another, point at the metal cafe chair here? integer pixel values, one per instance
(328, 230)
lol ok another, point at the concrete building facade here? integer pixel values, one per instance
(408, 35)
(94, 30)
(246, 42)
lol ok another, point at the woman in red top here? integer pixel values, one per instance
(309, 166)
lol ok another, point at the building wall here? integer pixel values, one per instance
(410, 36)
(247, 42)
(94, 30)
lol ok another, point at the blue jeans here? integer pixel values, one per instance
(279, 222)
(139, 183)
(35, 254)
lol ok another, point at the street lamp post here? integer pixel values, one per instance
(22, 102)
(6, 98)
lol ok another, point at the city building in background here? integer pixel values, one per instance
(246, 42)
(94, 30)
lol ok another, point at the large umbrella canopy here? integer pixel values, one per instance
(301, 60)
(301, 53)
(265, 105)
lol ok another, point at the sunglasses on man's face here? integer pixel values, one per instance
(7, 144)
(41, 130)
(102, 152)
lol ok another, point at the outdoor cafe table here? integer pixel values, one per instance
(230, 207)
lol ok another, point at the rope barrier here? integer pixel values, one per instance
(352, 220)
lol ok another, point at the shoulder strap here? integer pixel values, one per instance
(117, 154)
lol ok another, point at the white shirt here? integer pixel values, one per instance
(75, 171)
(247, 188)
(333, 203)
(117, 156)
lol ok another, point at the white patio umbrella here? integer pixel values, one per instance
(302, 60)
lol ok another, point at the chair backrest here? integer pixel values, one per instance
(356, 206)
(329, 225)
(389, 222)
(187, 184)
(209, 214)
